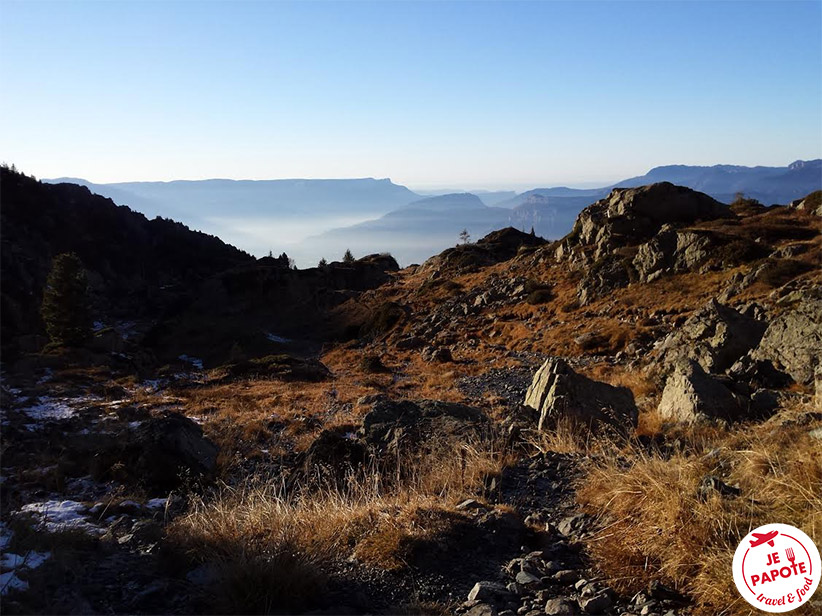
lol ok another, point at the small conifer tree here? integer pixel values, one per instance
(66, 309)
(348, 257)
(465, 237)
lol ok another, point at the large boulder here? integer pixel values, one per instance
(169, 448)
(715, 336)
(691, 395)
(391, 422)
(558, 392)
(793, 340)
(335, 453)
(280, 367)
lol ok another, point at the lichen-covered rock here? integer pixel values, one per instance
(671, 250)
(793, 340)
(691, 395)
(715, 336)
(557, 391)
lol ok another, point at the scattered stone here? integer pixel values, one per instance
(469, 504)
(561, 607)
(713, 485)
(596, 605)
(529, 580)
(482, 609)
(566, 576)
(488, 591)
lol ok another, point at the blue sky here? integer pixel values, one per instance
(464, 94)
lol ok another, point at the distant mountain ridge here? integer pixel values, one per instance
(222, 197)
(369, 215)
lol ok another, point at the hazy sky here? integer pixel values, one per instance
(472, 95)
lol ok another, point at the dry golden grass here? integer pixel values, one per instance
(273, 550)
(655, 525)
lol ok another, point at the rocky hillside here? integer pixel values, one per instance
(492, 432)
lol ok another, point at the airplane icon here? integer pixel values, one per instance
(764, 538)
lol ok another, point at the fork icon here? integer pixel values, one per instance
(789, 553)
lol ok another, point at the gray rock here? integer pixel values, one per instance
(811, 203)
(391, 420)
(469, 504)
(566, 576)
(409, 343)
(596, 605)
(482, 609)
(715, 336)
(528, 579)
(671, 250)
(793, 340)
(572, 524)
(557, 391)
(488, 591)
(170, 446)
(713, 485)
(691, 395)
(561, 607)
(437, 355)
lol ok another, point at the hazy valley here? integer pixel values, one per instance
(315, 219)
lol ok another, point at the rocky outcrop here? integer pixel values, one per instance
(715, 336)
(606, 234)
(793, 340)
(494, 248)
(671, 251)
(631, 214)
(691, 395)
(811, 203)
(558, 392)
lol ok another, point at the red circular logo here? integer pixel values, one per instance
(777, 568)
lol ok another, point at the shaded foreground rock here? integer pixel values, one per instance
(170, 446)
(390, 421)
(558, 392)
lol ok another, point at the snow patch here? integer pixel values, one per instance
(276, 338)
(30, 560)
(197, 363)
(9, 581)
(5, 536)
(50, 409)
(57, 516)
(157, 503)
